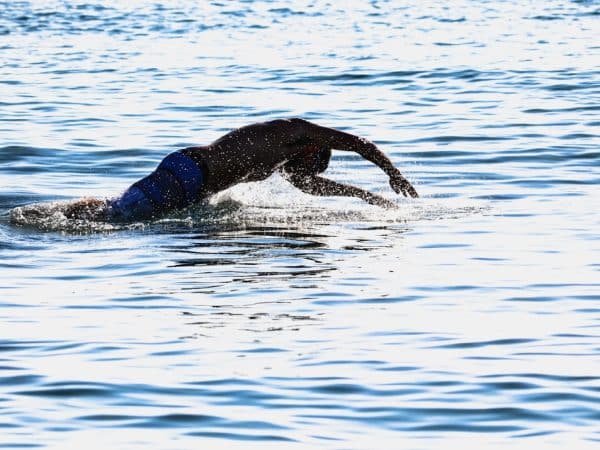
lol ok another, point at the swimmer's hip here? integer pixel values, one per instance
(176, 183)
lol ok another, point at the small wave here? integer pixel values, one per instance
(546, 18)
(448, 20)
(366, 78)
(465, 74)
(571, 87)
(561, 110)
(13, 153)
(512, 341)
(451, 139)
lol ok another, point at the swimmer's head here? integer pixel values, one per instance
(314, 161)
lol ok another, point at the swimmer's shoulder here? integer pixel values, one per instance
(290, 123)
(293, 129)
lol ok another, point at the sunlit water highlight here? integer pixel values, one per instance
(267, 318)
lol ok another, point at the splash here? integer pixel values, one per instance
(251, 205)
(275, 203)
(51, 216)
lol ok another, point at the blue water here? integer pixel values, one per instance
(468, 318)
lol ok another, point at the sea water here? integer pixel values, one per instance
(467, 318)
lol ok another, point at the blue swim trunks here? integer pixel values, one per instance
(176, 183)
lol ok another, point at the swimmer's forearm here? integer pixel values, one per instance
(340, 140)
(398, 182)
(317, 185)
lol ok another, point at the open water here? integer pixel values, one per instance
(468, 318)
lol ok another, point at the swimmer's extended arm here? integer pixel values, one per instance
(339, 140)
(316, 185)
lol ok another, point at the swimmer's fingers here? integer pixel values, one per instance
(86, 209)
(401, 185)
(410, 190)
(380, 201)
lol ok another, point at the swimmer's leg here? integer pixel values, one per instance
(176, 183)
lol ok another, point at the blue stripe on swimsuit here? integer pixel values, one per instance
(175, 184)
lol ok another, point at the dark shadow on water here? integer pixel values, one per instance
(219, 259)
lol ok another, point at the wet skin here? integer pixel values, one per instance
(296, 148)
(292, 147)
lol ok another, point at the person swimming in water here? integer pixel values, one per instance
(298, 149)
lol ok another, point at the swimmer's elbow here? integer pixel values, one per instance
(294, 127)
(298, 121)
(300, 124)
(294, 124)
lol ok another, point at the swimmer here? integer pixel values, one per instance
(299, 150)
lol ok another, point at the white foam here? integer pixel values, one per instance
(271, 203)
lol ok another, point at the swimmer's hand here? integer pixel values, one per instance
(401, 185)
(379, 201)
(86, 209)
